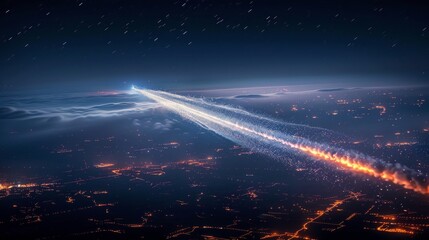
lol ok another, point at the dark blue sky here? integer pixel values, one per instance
(188, 44)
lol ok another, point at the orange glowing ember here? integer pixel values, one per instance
(356, 165)
(346, 162)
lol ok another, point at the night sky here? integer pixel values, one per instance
(194, 44)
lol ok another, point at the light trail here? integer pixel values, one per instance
(253, 131)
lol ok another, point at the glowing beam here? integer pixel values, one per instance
(249, 130)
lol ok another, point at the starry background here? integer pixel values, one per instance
(192, 44)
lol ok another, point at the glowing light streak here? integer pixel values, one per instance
(321, 213)
(232, 123)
